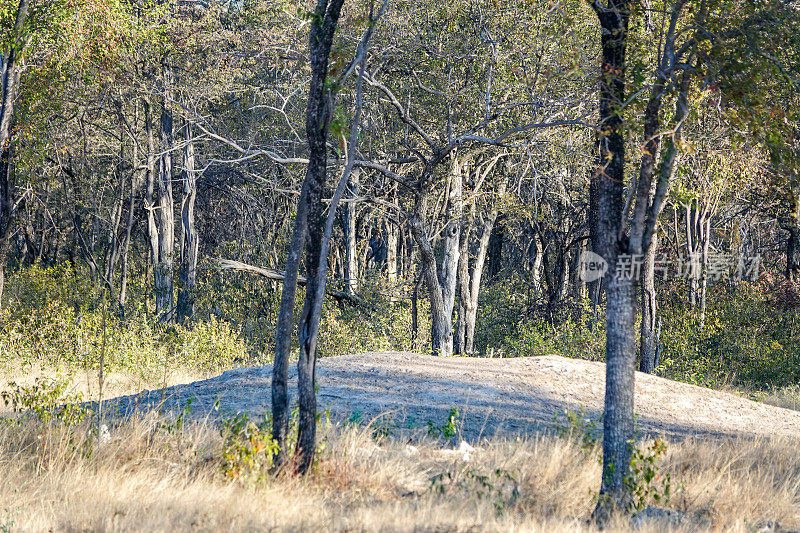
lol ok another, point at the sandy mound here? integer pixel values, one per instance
(511, 396)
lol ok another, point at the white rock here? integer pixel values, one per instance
(410, 450)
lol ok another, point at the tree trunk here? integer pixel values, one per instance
(495, 257)
(149, 197)
(309, 220)
(10, 85)
(793, 253)
(126, 245)
(163, 270)
(6, 211)
(647, 334)
(459, 341)
(392, 235)
(452, 234)
(351, 253)
(475, 283)
(607, 189)
(189, 239)
(441, 327)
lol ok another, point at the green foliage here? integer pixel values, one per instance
(750, 339)
(54, 319)
(47, 400)
(499, 486)
(449, 429)
(377, 324)
(510, 325)
(645, 481)
(7, 522)
(577, 425)
(247, 448)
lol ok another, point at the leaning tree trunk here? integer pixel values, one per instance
(189, 236)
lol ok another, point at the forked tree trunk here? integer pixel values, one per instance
(471, 311)
(189, 237)
(309, 217)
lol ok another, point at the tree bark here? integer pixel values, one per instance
(793, 253)
(6, 212)
(10, 86)
(647, 333)
(150, 194)
(351, 253)
(163, 269)
(189, 240)
(607, 193)
(441, 327)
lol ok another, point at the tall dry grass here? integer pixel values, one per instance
(152, 476)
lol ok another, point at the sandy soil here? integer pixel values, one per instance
(509, 396)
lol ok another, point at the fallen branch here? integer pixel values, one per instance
(277, 275)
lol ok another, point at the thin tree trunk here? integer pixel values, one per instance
(793, 253)
(459, 342)
(649, 307)
(6, 211)
(351, 253)
(126, 245)
(149, 198)
(189, 239)
(166, 218)
(392, 234)
(475, 283)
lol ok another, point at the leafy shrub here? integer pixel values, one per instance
(645, 481)
(48, 326)
(747, 340)
(247, 448)
(47, 400)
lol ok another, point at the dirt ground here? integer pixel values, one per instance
(507, 396)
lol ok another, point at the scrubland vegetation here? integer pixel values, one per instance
(165, 474)
(192, 186)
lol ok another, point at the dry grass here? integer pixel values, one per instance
(148, 478)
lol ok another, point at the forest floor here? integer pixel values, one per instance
(726, 464)
(508, 397)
